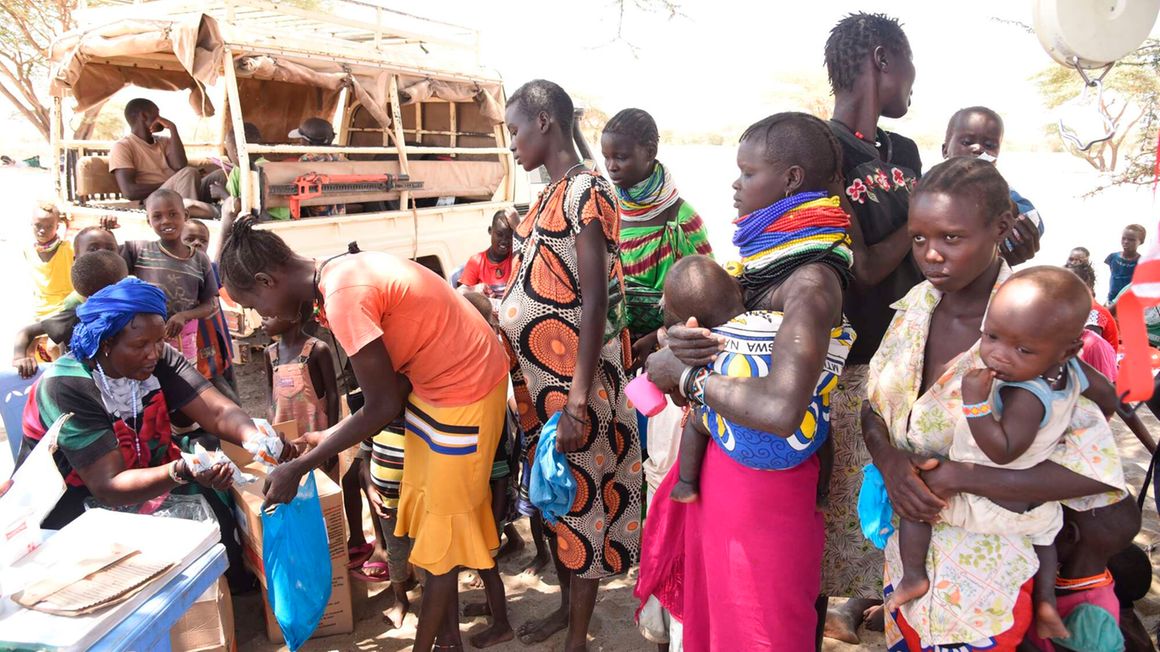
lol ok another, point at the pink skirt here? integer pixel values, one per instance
(753, 558)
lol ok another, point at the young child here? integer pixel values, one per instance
(978, 131)
(50, 258)
(195, 326)
(488, 272)
(300, 377)
(1084, 589)
(1123, 263)
(1016, 410)
(1079, 256)
(196, 235)
(92, 271)
(501, 474)
(697, 287)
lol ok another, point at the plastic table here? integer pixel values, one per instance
(148, 627)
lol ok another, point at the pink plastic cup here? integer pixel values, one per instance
(645, 396)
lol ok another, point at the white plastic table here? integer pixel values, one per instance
(148, 627)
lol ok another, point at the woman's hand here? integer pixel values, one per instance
(373, 497)
(571, 429)
(175, 323)
(909, 495)
(664, 370)
(693, 345)
(943, 480)
(977, 386)
(218, 476)
(642, 349)
(281, 484)
(25, 366)
(1025, 235)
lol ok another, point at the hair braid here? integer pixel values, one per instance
(796, 138)
(637, 124)
(967, 177)
(248, 251)
(853, 39)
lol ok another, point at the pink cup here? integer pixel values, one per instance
(645, 396)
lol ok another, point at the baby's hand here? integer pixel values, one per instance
(977, 385)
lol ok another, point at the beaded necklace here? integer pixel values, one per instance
(49, 246)
(805, 228)
(649, 198)
(1084, 583)
(134, 400)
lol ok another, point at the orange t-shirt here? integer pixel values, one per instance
(147, 159)
(435, 337)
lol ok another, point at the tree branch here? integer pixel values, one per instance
(32, 116)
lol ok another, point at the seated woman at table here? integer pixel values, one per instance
(121, 383)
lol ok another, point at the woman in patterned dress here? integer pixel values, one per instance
(567, 356)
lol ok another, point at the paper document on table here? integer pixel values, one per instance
(107, 581)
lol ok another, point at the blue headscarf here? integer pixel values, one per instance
(110, 310)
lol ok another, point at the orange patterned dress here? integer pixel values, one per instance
(540, 317)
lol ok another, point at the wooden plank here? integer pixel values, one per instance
(235, 108)
(334, 149)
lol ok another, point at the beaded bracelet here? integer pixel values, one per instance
(700, 379)
(976, 410)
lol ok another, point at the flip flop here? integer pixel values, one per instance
(363, 576)
(360, 554)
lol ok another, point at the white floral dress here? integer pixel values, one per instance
(975, 578)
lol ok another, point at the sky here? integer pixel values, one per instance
(723, 64)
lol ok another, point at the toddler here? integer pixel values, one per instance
(301, 380)
(697, 287)
(50, 257)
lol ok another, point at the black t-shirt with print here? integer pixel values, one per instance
(878, 183)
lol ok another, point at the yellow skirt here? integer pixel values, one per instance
(445, 497)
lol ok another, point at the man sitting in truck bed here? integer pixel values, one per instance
(142, 162)
(319, 133)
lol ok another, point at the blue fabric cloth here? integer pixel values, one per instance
(874, 508)
(110, 310)
(1122, 270)
(552, 486)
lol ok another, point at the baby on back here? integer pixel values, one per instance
(697, 287)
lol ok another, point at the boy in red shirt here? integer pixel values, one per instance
(487, 272)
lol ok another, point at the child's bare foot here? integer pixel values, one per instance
(538, 631)
(1048, 624)
(476, 609)
(840, 626)
(512, 545)
(684, 492)
(875, 618)
(537, 563)
(494, 635)
(474, 581)
(393, 616)
(907, 590)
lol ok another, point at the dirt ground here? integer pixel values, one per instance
(613, 629)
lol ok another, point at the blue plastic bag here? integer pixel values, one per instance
(552, 486)
(874, 508)
(296, 554)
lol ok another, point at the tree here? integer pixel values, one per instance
(1131, 92)
(27, 28)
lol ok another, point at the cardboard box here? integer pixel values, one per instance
(208, 626)
(339, 615)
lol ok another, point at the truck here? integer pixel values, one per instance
(418, 120)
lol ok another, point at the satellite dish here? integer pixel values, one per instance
(1092, 34)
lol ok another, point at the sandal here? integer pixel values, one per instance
(363, 575)
(359, 554)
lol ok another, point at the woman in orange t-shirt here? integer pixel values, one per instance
(418, 349)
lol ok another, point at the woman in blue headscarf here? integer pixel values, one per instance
(121, 383)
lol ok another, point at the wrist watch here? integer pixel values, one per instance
(176, 476)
